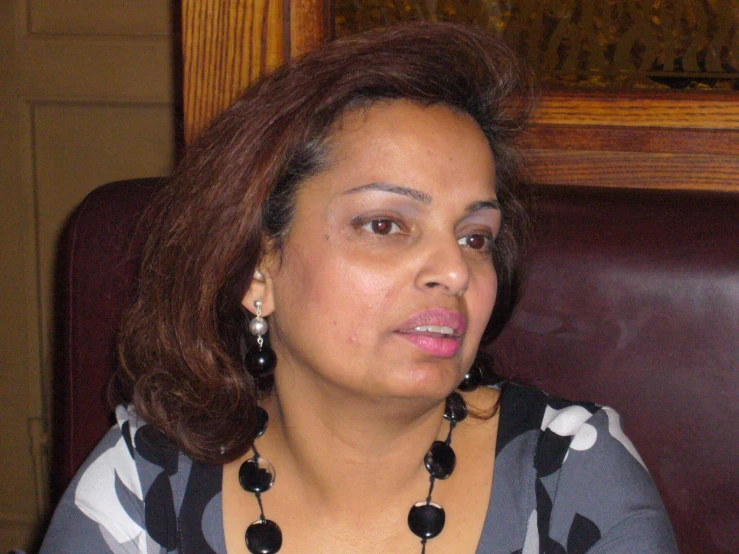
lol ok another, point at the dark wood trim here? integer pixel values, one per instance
(681, 110)
(309, 24)
(604, 138)
(634, 169)
(644, 139)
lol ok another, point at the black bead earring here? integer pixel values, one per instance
(263, 359)
(472, 379)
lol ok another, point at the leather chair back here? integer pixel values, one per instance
(632, 301)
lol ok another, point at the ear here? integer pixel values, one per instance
(260, 289)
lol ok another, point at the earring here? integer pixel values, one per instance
(482, 371)
(263, 360)
(472, 379)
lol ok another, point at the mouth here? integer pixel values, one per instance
(440, 331)
(436, 332)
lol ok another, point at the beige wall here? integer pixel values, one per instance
(85, 98)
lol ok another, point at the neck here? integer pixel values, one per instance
(338, 447)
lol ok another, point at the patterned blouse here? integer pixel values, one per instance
(567, 481)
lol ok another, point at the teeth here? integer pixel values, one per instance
(442, 330)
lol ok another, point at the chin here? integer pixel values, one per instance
(433, 381)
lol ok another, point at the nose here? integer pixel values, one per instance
(444, 268)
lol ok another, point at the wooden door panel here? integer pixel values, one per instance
(86, 97)
(100, 17)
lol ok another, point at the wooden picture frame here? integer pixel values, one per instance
(642, 139)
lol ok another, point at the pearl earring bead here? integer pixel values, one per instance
(258, 326)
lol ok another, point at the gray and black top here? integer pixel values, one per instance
(567, 480)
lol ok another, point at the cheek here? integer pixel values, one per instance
(342, 296)
(362, 299)
(481, 301)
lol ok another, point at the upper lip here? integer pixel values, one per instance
(437, 316)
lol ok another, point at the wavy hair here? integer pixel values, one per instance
(182, 343)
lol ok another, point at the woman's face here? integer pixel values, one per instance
(386, 280)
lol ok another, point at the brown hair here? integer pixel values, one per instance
(182, 343)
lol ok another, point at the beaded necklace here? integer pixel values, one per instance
(425, 519)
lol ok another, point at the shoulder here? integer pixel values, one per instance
(126, 472)
(561, 426)
(124, 496)
(592, 490)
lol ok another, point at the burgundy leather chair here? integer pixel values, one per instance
(632, 301)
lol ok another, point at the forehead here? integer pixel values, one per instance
(403, 120)
(414, 143)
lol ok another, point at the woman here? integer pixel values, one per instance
(361, 206)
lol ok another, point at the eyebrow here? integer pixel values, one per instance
(483, 205)
(395, 189)
(422, 196)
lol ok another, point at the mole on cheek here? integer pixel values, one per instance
(327, 237)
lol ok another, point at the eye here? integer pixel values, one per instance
(381, 227)
(476, 241)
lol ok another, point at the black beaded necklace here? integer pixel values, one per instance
(425, 519)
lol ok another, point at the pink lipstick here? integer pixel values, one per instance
(437, 332)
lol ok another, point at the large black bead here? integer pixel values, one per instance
(263, 361)
(426, 520)
(263, 537)
(472, 379)
(455, 409)
(440, 460)
(256, 475)
(262, 421)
